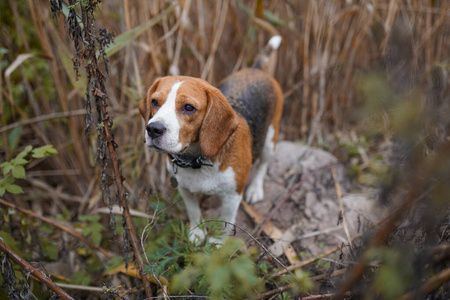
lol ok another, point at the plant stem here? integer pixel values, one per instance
(33, 271)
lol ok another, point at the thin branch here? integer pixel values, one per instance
(314, 278)
(123, 201)
(29, 269)
(79, 112)
(217, 38)
(341, 205)
(253, 238)
(57, 225)
(380, 238)
(432, 284)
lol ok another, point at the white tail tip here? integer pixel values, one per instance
(275, 41)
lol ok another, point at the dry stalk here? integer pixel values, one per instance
(60, 226)
(123, 201)
(379, 239)
(341, 205)
(174, 68)
(217, 37)
(336, 248)
(29, 269)
(43, 32)
(415, 192)
(85, 41)
(52, 116)
(430, 285)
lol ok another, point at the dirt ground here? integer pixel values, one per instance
(310, 216)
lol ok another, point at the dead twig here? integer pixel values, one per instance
(271, 230)
(90, 50)
(312, 259)
(314, 278)
(216, 41)
(430, 285)
(341, 205)
(29, 269)
(380, 238)
(79, 112)
(254, 239)
(60, 226)
(53, 192)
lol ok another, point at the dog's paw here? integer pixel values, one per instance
(254, 193)
(218, 241)
(196, 236)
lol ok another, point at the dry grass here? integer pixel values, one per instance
(327, 46)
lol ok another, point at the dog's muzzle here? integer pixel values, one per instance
(155, 129)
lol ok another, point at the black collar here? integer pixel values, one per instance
(188, 161)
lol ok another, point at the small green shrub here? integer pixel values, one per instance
(225, 273)
(15, 168)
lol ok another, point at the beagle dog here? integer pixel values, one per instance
(213, 136)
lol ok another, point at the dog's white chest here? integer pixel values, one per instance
(206, 180)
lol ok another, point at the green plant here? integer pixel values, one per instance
(171, 249)
(394, 277)
(15, 168)
(227, 273)
(92, 227)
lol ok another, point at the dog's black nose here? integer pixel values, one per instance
(155, 129)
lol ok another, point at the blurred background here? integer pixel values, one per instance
(336, 58)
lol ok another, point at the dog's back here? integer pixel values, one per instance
(251, 93)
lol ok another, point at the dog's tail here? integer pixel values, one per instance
(266, 60)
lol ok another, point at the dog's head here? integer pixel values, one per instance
(180, 111)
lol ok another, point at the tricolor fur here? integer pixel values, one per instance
(233, 126)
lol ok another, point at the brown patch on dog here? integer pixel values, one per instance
(145, 107)
(220, 122)
(237, 154)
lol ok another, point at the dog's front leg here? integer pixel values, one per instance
(196, 234)
(230, 206)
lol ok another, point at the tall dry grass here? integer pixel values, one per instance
(327, 47)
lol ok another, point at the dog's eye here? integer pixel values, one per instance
(189, 109)
(155, 103)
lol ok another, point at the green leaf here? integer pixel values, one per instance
(89, 218)
(93, 229)
(3, 51)
(44, 151)
(7, 167)
(14, 138)
(5, 183)
(14, 189)
(49, 249)
(184, 279)
(81, 277)
(301, 282)
(19, 161)
(46, 228)
(114, 263)
(10, 241)
(24, 152)
(18, 172)
(96, 237)
(125, 38)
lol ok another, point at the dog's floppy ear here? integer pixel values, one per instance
(219, 123)
(145, 105)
